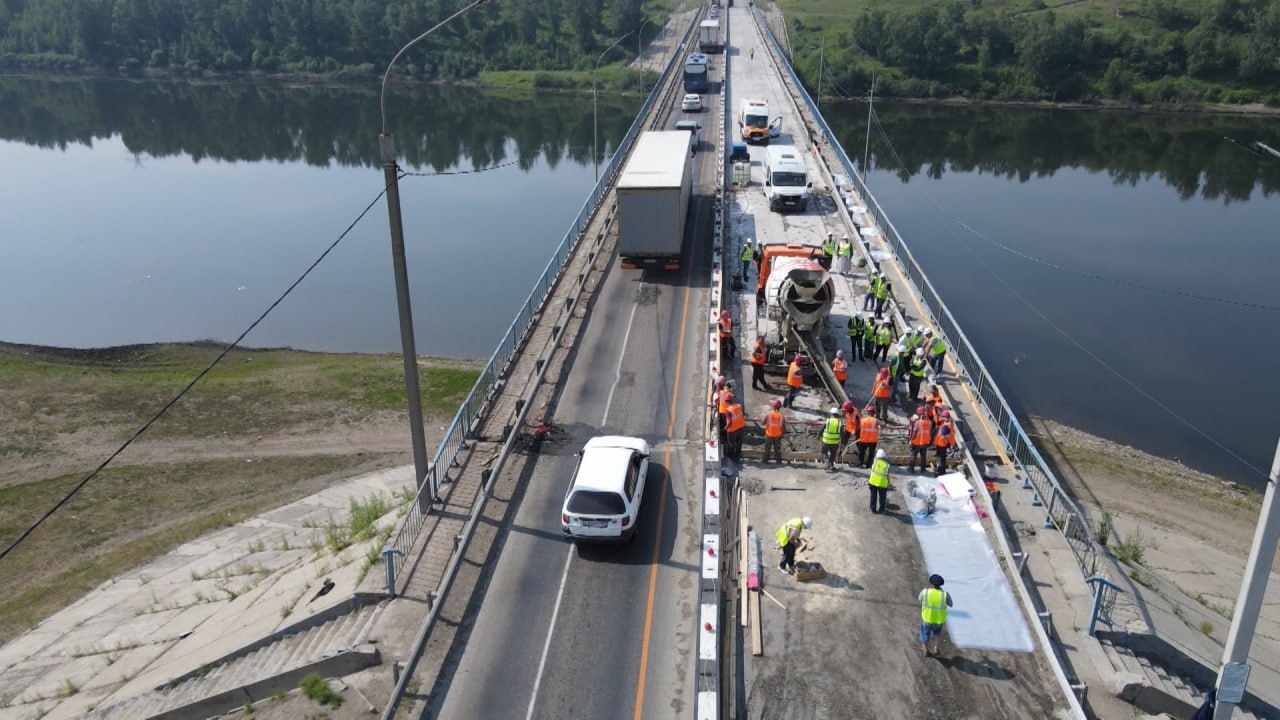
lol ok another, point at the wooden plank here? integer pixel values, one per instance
(757, 632)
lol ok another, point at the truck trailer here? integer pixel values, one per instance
(710, 39)
(653, 200)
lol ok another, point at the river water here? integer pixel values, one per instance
(1037, 227)
(147, 212)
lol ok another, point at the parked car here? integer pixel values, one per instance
(603, 500)
(691, 103)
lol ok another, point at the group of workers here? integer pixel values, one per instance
(933, 600)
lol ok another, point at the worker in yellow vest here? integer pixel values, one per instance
(788, 537)
(831, 431)
(879, 481)
(934, 602)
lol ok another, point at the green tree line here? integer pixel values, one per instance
(325, 36)
(1164, 51)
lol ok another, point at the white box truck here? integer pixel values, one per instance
(653, 200)
(709, 38)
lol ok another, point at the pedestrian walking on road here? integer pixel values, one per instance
(788, 537)
(868, 437)
(775, 425)
(795, 379)
(934, 602)
(758, 358)
(878, 482)
(753, 53)
(832, 427)
(920, 430)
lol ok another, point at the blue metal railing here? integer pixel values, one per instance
(1061, 509)
(476, 402)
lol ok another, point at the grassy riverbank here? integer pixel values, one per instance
(264, 428)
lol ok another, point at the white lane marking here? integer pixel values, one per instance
(621, 356)
(546, 646)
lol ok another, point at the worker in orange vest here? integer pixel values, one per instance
(774, 427)
(758, 358)
(795, 379)
(943, 441)
(840, 368)
(734, 423)
(852, 423)
(880, 392)
(868, 437)
(933, 404)
(726, 335)
(921, 432)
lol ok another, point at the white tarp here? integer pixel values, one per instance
(986, 616)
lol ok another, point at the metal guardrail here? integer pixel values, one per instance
(495, 370)
(1062, 511)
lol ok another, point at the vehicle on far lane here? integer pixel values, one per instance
(691, 103)
(603, 500)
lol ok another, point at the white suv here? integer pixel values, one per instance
(603, 501)
(691, 103)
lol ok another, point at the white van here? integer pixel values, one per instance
(786, 181)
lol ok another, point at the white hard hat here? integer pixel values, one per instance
(928, 331)
(880, 454)
(919, 328)
(919, 352)
(844, 237)
(808, 521)
(839, 353)
(834, 411)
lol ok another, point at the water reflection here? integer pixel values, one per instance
(436, 127)
(1187, 151)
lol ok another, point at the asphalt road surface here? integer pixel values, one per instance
(606, 631)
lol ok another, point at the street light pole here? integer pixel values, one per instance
(639, 40)
(408, 350)
(595, 118)
(1235, 655)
